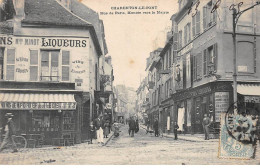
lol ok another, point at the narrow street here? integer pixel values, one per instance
(142, 149)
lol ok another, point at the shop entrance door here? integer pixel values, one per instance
(198, 128)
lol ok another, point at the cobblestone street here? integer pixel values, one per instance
(142, 149)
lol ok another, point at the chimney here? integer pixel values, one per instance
(19, 7)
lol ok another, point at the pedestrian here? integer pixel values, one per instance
(92, 132)
(206, 122)
(175, 130)
(156, 128)
(106, 128)
(10, 132)
(132, 127)
(147, 125)
(99, 129)
(136, 126)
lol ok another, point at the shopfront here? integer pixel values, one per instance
(191, 105)
(49, 114)
(249, 98)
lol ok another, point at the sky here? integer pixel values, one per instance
(131, 37)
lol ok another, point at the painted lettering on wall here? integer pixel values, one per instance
(43, 42)
(63, 43)
(77, 67)
(38, 105)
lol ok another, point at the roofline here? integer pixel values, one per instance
(166, 47)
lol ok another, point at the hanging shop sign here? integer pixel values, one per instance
(38, 105)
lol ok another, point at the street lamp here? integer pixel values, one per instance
(236, 14)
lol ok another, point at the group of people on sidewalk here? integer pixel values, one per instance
(156, 128)
(100, 129)
(206, 123)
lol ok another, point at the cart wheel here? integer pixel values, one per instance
(21, 142)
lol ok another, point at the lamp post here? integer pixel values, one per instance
(236, 14)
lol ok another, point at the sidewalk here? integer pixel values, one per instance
(187, 137)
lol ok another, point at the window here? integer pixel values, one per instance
(246, 56)
(210, 60)
(187, 37)
(49, 65)
(65, 65)
(197, 67)
(188, 71)
(10, 64)
(208, 17)
(2, 51)
(196, 24)
(33, 65)
(180, 39)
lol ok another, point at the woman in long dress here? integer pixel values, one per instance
(106, 129)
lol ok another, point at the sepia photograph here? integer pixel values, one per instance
(129, 82)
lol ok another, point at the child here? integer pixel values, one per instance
(176, 127)
(92, 132)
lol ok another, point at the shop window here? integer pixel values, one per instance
(45, 121)
(33, 65)
(2, 51)
(68, 121)
(65, 65)
(49, 65)
(10, 64)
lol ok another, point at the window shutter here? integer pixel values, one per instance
(205, 62)
(33, 65)
(10, 56)
(204, 17)
(198, 23)
(215, 50)
(65, 65)
(185, 34)
(194, 68)
(193, 26)
(180, 39)
(199, 66)
(10, 64)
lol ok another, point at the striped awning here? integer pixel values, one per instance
(249, 89)
(37, 101)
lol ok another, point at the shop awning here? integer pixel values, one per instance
(37, 101)
(251, 92)
(249, 89)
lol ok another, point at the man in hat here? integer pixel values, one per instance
(98, 125)
(9, 133)
(206, 122)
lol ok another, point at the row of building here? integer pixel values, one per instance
(55, 74)
(192, 74)
(125, 102)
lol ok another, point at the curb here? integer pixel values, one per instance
(109, 138)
